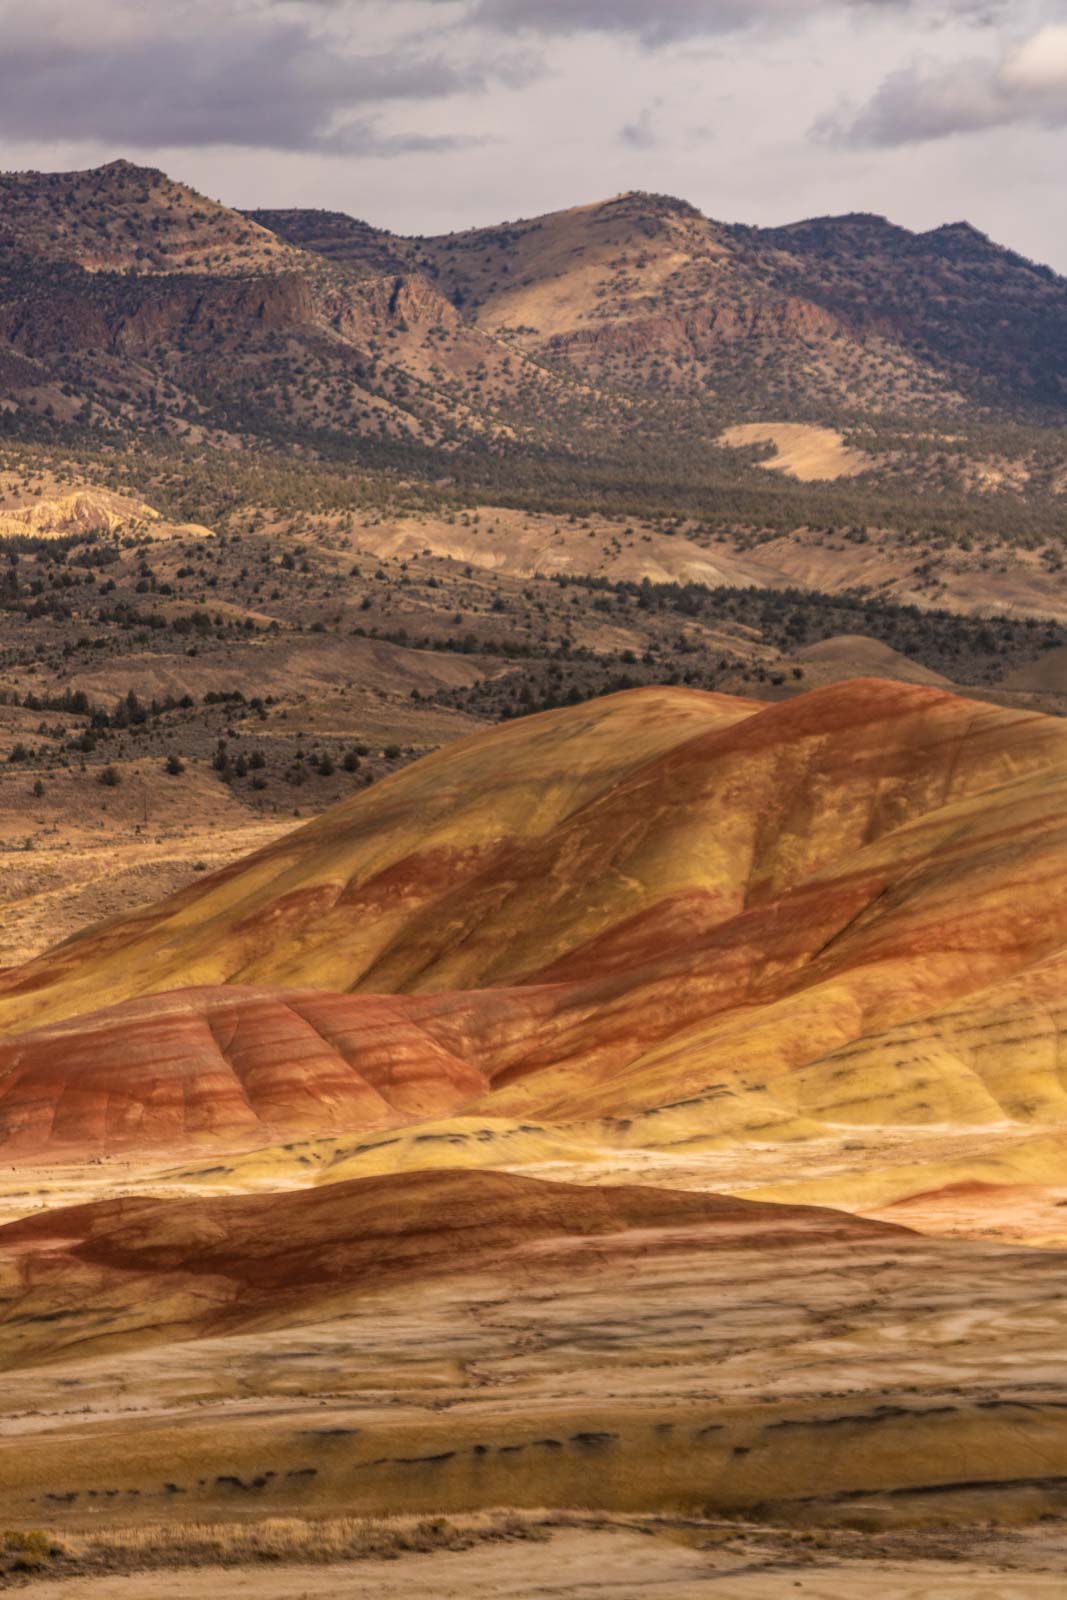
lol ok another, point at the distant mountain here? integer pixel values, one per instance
(619, 337)
(644, 291)
(130, 303)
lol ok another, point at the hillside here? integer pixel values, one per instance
(490, 1145)
(533, 976)
(125, 218)
(436, 1344)
(842, 312)
(129, 303)
(594, 355)
(655, 800)
(664, 920)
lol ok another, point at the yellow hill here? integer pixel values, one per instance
(665, 921)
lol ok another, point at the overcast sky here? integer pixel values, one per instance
(426, 115)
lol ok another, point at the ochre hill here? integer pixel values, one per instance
(668, 914)
(215, 1265)
(230, 1065)
(439, 1342)
(333, 897)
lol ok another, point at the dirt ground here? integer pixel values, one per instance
(584, 1564)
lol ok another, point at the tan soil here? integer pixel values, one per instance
(810, 454)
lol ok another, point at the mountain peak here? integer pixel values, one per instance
(121, 217)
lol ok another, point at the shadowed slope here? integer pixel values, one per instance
(441, 1341)
(217, 1265)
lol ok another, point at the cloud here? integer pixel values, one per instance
(236, 72)
(654, 23)
(641, 133)
(1027, 86)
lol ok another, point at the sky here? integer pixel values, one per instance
(430, 115)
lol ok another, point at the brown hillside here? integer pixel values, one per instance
(667, 914)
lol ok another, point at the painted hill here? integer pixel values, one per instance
(232, 1065)
(668, 914)
(369, 868)
(443, 1342)
(213, 1266)
(676, 953)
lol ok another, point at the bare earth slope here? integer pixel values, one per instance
(447, 1342)
(579, 834)
(664, 921)
(692, 954)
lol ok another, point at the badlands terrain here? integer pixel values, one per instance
(638, 1124)
(533, 805)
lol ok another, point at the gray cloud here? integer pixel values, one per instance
(641, 134)
(1026, 86)
(322, 75)
(660, 22)
(222, 75)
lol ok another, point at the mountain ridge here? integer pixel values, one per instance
(136, 301)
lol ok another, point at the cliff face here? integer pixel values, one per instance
(136, 319)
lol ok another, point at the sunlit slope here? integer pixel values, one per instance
(586, 842)
(332, 898)
(916, 924)
(844, 910)
(232, 1066)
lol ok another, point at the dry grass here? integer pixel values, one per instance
(41, 1552)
